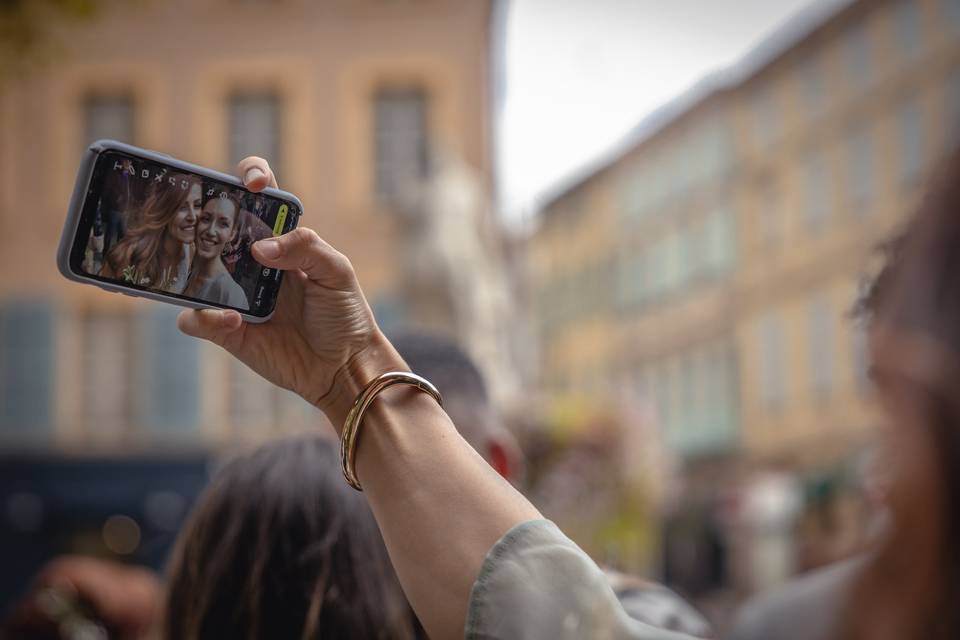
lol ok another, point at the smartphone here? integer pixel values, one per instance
(145, 224)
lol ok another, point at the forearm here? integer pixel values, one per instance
(439, 505)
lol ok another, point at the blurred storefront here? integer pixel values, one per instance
(127, 509)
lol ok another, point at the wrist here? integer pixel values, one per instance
(376, 358)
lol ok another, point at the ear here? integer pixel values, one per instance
(500, 460)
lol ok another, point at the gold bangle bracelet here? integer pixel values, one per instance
(351, 428)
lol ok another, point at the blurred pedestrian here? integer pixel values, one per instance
(278, 546)
(821, 597)
(79, 597)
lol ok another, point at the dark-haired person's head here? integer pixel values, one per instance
(465, 398)
(912, 584)
(279, 546)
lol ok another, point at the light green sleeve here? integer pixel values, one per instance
(536, 584)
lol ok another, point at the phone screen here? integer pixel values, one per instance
(146, 225)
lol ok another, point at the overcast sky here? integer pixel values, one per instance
(581, 73)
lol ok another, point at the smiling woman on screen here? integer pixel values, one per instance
(209, 278)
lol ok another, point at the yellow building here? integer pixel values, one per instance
(348, 99)
(710, 264)
(569, 264)
(633, 267)
(840, 131)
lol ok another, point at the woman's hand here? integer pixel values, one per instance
(322, 341)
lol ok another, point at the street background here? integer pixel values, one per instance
(664, 313)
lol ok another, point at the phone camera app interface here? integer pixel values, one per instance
(174, 232)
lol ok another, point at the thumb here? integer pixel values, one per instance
(209, 324)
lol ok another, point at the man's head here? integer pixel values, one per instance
(465, 398)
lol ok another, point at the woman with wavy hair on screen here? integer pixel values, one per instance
(157, 248)
(209, 278)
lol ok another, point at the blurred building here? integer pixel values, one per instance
(710, 263)
(349, 100)
(633, 267)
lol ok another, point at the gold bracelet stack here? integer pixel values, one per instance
(348, 439)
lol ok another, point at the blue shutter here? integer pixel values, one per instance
(167, 393)
(26, 371)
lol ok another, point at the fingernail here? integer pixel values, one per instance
(269, 248)
(252, 174)
(229, 319)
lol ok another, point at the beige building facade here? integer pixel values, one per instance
(840, 134)
(737, 224)
(349, 100)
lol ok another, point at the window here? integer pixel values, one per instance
(105, 384)
(812, 84)
(166, 393)
(859, 56)
(765, 118)
(769, 214)
(673, 260)
(952, 10)
(690, 397)
(953, 108)
(108, 117)
(721, 240)
(860, 167)
(632, 195)
(909, 28)
(26, 372)
(632, 276)
(662, 395)
(678, 408)
(821, 347)
(861, 357)
(687, 267)
(912, 143)
(660, 267)
(817, 186)
(697, 243)
(773, 387)
(402, 150)
(254, 125)
(725, 394)
(712, 149)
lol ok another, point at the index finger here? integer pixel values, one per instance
(256, 173)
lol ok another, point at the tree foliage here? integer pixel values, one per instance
(26, 28)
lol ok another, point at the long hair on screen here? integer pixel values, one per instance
(148, 228)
